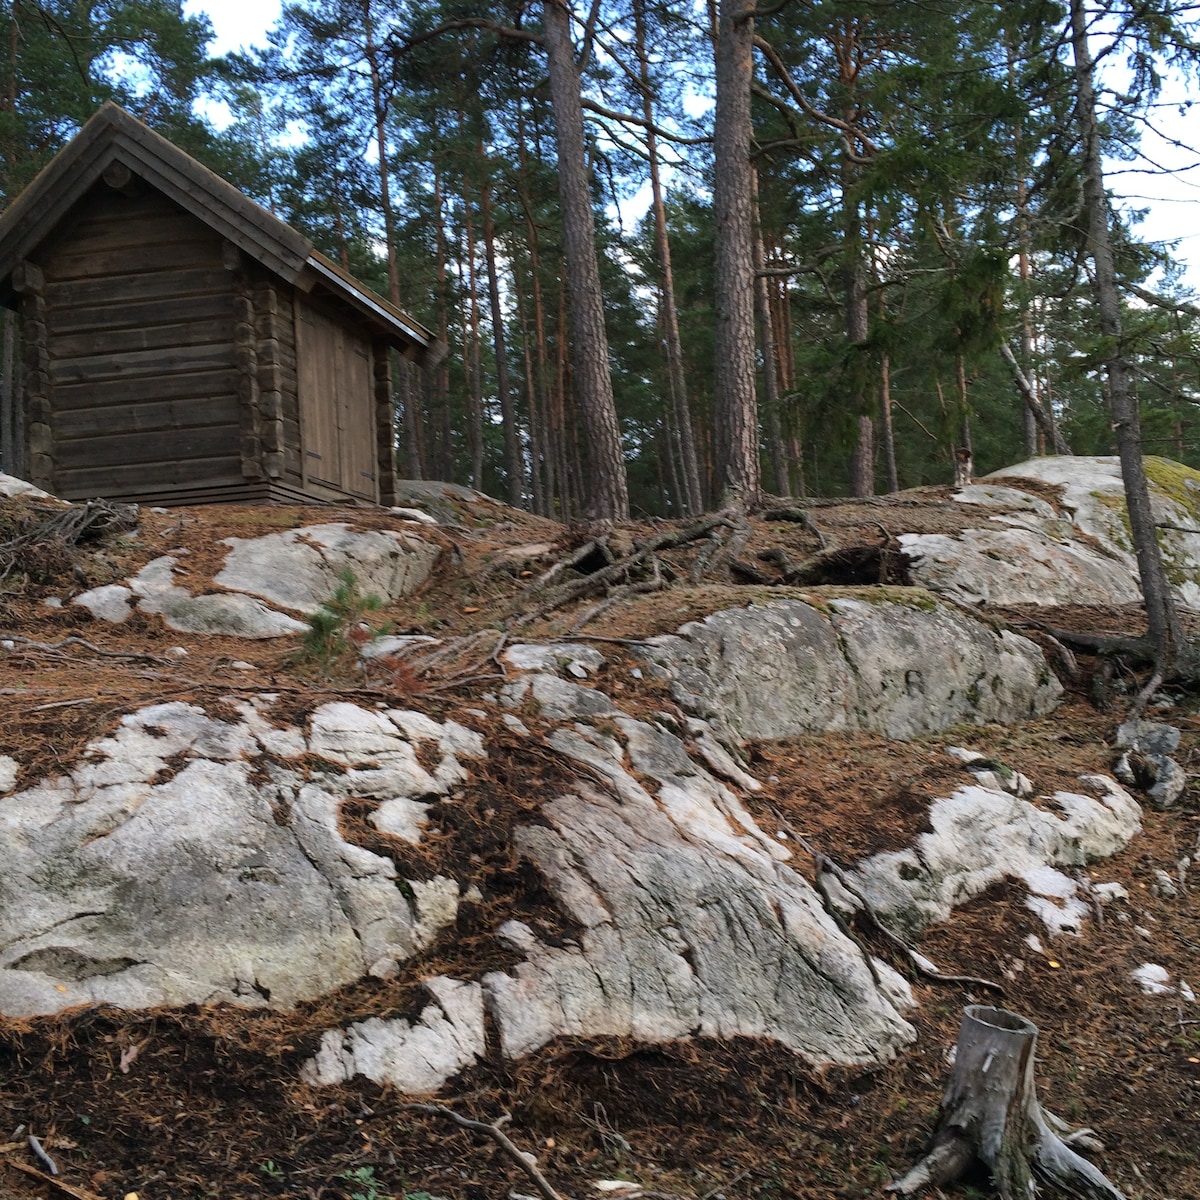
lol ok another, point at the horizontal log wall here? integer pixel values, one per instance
(140, 319)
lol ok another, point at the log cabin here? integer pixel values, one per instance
(179, 344)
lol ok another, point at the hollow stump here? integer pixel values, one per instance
(990, 1114)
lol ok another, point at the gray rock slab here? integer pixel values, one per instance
(1012, 566)
(112, 602)
(1093, 494)
(186, 859)
(575, 659)
(415, 1057)
(783, 668)
(1152, 737)
(11, 486)
(298, 569)
(981, 836)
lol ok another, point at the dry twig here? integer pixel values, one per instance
(495, 1131)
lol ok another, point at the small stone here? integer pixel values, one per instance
(52, 602)
(1151, 737)
(1152, 979)
(1168, 784)
(176, 652)
(1164, 885)
(239, 665)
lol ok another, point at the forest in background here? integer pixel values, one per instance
(833, 243)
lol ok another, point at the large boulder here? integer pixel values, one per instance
(897, 662)
(267, 579)
(1024, 552)
(190, 859)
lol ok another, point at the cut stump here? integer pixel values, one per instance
(990, 1114)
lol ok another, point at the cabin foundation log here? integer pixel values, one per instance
(245, 351)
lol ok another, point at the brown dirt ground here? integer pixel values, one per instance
(211, 1104)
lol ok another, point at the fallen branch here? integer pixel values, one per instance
(48, 1181)
(48, 647)
(617, 569)
(67, 528)
(823, 864)
(493, 1129)
(40, 1154)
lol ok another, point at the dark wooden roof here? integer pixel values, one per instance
(113, 136)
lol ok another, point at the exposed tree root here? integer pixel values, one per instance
(46, 539)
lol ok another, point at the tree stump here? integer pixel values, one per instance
(990, 1114)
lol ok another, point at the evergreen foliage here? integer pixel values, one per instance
(919, 195)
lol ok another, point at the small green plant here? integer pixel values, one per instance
(364, 1178)
(270, 1169)
(340, 626)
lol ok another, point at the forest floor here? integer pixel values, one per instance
(208, 1102)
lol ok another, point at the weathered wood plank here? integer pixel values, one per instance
(110, 342)
(163, 416)
(118, 313)
(201, 386)
(167, 361)
(180, 252)
(166, 446)
(119, 481)
(107, 228)
(166, 284)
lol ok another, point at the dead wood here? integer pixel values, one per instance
(619, 570)
(494, 1130)
(47, 537)
(990, 1113)
(54, 648)
(50, 1182)
(824, 865)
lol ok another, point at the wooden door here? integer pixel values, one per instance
(334, 382)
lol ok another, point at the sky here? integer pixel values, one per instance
(1172, 199)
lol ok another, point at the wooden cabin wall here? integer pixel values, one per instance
(140, 331)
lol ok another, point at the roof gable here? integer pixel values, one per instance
(112, 137)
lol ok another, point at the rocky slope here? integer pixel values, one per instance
(520, 820)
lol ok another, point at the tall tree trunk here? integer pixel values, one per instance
(862, 458)
(885, 423)
(1029, 426)
(692, 498)
(513, 465)
(438, 447)
(541, 437)
(734, 403)
(766, 336)
(471, 347)
(402, 371)
(1162, 618)
(608, 496)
